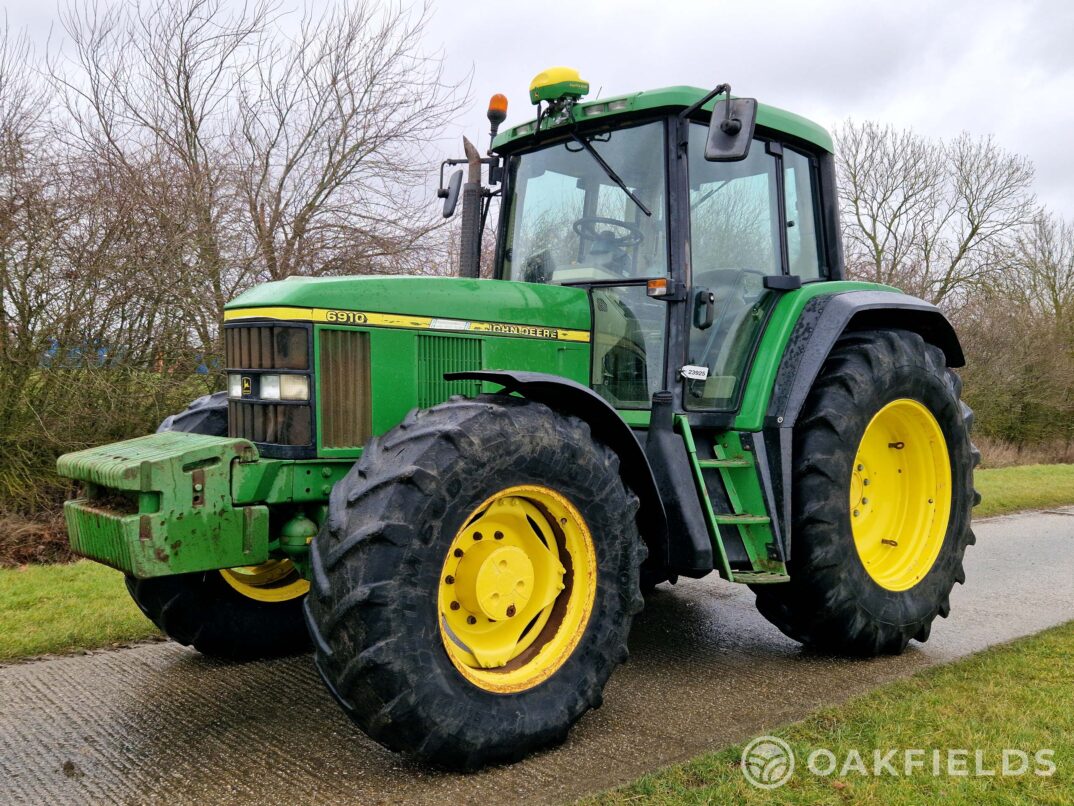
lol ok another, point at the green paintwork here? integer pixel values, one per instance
(449, 297)
(162, 504)
(400, 387)
(279, 481)
(670, 98)
(723, 566)
(762, 376)
(741, 479)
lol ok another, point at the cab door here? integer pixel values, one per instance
(749, 220)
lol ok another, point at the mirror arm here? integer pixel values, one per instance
(695, 106)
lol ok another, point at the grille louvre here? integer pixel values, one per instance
(440, 354)
(346, 418)
(266, 347)
(276, 424)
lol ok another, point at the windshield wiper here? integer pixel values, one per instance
(611, 173)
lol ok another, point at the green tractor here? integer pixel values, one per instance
(457, 490)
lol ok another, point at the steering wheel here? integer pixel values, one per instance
(586, 227)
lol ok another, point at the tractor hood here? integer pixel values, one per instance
(481, 302)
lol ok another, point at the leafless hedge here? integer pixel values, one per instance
(164, 156)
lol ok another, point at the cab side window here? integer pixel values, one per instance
(800, 202)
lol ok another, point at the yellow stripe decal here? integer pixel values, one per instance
(366, 319)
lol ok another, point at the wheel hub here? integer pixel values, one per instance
(496, 581)
(517, 588)
(900, 494)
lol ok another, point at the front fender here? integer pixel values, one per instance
(568, 397)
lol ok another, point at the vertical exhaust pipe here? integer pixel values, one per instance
(470, 239)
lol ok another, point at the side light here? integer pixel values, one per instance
(594, 109)
(234, 386)
(294, 387)
(658, 287)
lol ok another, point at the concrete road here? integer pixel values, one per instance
(159, 723)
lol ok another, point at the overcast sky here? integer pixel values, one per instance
(988, 67)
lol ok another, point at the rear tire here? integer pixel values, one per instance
(381, 561)
(204, 611)
(833, 602)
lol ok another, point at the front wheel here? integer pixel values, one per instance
(237, 613)
(475, 582)
(883, 488)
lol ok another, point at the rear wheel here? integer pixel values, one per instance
(238, 613)
(475, 581)
(883, 488)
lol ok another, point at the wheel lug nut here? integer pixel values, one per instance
(458, 552)
(449, 580)
(861, 468)
(454, 605)
(865, 500)
(498, 535)
(471, 620)
(510, 611)
(865, 482)
(477, 535)
(856, 513)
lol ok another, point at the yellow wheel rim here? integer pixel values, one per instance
(272, 581)
(900, 494)
(517, 589)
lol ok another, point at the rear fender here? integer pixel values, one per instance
(822, 321)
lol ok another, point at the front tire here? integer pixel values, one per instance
(883, 488)
(236, 614)
(475, 582)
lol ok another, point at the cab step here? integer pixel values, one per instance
(743, 520)
(724, 463)
(760, 577)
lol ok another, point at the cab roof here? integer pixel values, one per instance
(671, 98)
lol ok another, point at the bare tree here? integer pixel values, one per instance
(259, 156)
(933, 217)
(332, 128)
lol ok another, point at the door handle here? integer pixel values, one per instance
(704, 309)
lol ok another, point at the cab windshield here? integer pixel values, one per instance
(571, 222)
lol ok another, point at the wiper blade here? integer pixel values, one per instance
(611, 173)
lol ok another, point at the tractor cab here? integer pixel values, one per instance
(684, 246)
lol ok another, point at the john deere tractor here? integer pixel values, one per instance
(457, 490)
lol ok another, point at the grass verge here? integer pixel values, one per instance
(1017, 696)
(58, 608)
(1010, 489)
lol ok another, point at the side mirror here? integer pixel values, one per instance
(450, 194)
(731, 129)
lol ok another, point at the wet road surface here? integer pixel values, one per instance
(159, 723)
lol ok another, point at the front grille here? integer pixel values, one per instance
(438, 355)
(254, 351)
(273, 423)
(346, 416)
(267, 347)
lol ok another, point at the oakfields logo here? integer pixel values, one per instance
(768, 762)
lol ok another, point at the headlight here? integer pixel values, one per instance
(270, 387)
(234, 386)
(294, 387)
